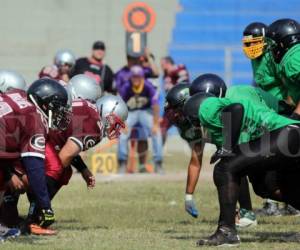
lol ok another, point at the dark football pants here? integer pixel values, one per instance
(265, 153)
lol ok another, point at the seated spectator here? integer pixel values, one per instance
(173, 74)
(141, 98)
(95, 67)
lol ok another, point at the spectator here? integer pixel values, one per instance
(121, 77)
(173, 74)
(141, 98)
(64, 62)
(95, 67)
(146, 61)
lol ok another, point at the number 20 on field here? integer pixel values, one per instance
(104, 163)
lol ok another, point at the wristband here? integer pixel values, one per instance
(78, 163)
(188, 197)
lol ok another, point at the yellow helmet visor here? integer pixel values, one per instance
(253, 47)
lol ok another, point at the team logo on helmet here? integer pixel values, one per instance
(183, 94)
(38, 142)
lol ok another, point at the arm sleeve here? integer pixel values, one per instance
(232, 119)
(35, 169)
(33, 136)
(78, 163)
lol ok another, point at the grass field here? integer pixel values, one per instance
(145, 212)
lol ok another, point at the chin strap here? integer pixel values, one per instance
(50, 119)
(39, 109)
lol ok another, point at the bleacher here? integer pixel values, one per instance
(208, 31)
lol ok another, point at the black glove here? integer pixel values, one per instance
(46, 217)
(219, 154)
(295, 116)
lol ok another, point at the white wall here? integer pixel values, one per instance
(32, 30)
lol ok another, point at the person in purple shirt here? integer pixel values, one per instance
(142, 101)
(150, 68)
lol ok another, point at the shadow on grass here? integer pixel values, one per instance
(184, 237)
(75, 225)
(80, 227)
(32, 239)
(253, 237)
(70, 221)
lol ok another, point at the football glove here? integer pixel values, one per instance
(219, 154)
(190, 206)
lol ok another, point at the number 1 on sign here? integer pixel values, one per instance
(136, 42)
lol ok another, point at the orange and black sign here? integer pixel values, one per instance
(139, 17)
(136, 42)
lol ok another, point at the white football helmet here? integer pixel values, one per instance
(63, 57)
(113, 113)
(84, 87)
(10, 79)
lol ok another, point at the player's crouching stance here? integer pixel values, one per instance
(253, 139)
(90, 123)
(24, 126)
(175, 99)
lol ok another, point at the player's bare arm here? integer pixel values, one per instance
(68, 152)
(194, 168)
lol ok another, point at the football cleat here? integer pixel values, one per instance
(142, 168)
(224, 236)
(8, 233)
(158, 168)
(270, 208)
(289, 210)
(246, 218)
(38, 230)
(46, 217)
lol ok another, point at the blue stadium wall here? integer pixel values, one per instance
(207, 31)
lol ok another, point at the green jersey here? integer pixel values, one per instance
(253, 94)
(290, 72)
(265, 73)
(256, 121)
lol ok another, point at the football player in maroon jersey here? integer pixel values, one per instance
(173, 74)
(25, 123)
(64, 62)
(87, 128)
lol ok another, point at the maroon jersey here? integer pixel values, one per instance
(51, 72)
(177, 75)
(85, 128)
(22, 131)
